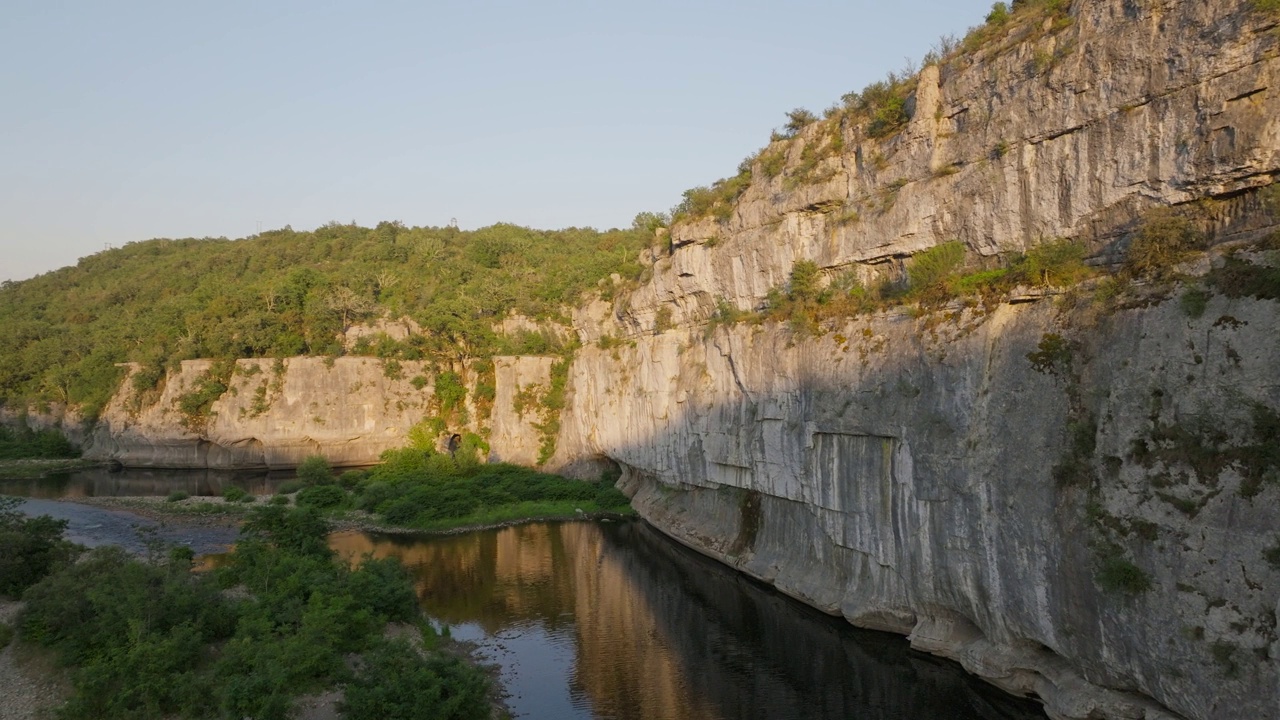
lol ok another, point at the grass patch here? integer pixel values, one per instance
(177, 496)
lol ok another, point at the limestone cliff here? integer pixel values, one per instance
(273, 414)
(1099, 531)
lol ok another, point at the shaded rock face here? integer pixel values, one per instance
(273, 415)
(901, 472)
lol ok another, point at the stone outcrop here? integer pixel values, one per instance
(274, 414)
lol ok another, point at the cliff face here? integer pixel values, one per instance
(1137, 103)
(1097, 531)
(273, 415)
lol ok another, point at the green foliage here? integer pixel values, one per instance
(1267, 7)
(804, 282)
(1193, 302)
(234, 494)
(1241, 278)
(162, 301)
(315, 470)
(177, 496)
(1117, 574)
(23, 442)
(929, 271)
(798, 120)
(1054, 263)
(662, 321)
(152, 639)
(552, 405)
(33, 547)
(322, 497)
(1053, 355)
(1076, 466)
(450, 392)
(425, 490)
(397, 683)
(1164, 239)
(999, 14)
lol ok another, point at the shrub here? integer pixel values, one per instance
(1269, 7)
(234, 494)
(280, 500)
(1116, 574)
(928, 271)
(397, 683)
(322, 497)
(1052, 356)
(1240, 278)
(1193, 302)
(178, 496)
(33, 547)
(23, 442)
(798, 120)
(1163, 240)
(289, 487)
(315, 470)
(1054, 263)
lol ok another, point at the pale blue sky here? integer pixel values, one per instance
(128, 120)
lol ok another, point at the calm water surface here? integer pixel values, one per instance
(606, 620)
(138, 482)
(613, 620)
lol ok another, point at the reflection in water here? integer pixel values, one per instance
(149, 482)
(616, 621)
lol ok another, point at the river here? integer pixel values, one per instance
(612, 620)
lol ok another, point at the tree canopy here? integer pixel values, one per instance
(284, 293)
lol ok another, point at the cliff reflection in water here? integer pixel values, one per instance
(660, 632)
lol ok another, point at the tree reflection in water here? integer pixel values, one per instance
(638, 627)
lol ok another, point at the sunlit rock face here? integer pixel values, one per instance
(273, 415)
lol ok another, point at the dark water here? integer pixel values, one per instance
(613, 620)
(135, 482)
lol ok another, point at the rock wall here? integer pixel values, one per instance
(1135, 104)
(900, 472)
(272, 415)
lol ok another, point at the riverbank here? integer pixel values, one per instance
(36, 468)
(220, 512)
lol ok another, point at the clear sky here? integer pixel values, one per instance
(123, 121)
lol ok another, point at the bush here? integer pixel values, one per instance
(23, 442)
(33, 547)
(1163, 240)
(322, 497)
(315, 470)
(928, 271)
(1116, 574)
(396, 683)
(1193, 302)
(289, 487)
(280, 500)
(234, 494)
(177, 496)
(1054, 263)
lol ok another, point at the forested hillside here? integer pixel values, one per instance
(285, 293)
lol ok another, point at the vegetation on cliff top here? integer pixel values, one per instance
(878, 111)
(284, 293)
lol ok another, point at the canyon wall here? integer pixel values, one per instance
(273, 415)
